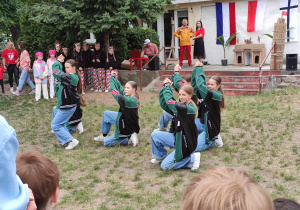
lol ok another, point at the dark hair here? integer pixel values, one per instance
(201, 24)
(187, 78)
(22, 45)
(82, 100)
(41, 175)
(285, 204)
(218, 81)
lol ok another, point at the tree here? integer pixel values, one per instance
(97, 16)
(9, 18)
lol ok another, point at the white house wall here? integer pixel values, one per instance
(205, 11)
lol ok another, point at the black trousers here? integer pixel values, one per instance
(13, 70)
(1, 83)
(154, 64)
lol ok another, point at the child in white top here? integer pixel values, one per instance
(50, 62)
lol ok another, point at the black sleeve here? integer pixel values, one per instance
(181, 108)
(121, 101)
(66, 78)
(116, 63)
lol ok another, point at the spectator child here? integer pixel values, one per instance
(41, 74)
(78, 57)
(111, 64)
(41, 175)
(98, 60)
(225, 188)
(88, 65)
(1, 76)
(50, 62)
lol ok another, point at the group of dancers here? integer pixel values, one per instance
(196, 117)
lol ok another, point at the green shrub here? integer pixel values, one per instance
(120, 44)
(137, 36)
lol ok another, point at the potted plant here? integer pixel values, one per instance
(225, 44)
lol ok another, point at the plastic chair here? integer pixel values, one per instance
(138, 60)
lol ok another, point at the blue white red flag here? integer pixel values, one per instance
(226, 24)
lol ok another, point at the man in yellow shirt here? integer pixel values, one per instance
(184, 33)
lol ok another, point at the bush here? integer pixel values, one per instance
(137, 36)
(120, 44)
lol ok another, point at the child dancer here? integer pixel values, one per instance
(1, 76)
(41, 74)
(50, 62)
(183, 137)
(126, 120)
(111, 63)
(67, 98)
(88, 65)
(210, 117)
(58, 50)
(98, 68)
(77, 56)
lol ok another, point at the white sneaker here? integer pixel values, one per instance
(91, 89)
(52, 131)
(72, 144)
(12, 90)
(134, 139)
(161, 129)
(80, 128)
(219, 142)
(155, 161)
(83, 93)
(106, 91)
(100, 138)
(32, 92)
(196, 164)
(17, 93)
(96, 91)
(100, 91)
(37, 99)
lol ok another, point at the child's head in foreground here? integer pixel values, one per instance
(41, 175)
(225, 188)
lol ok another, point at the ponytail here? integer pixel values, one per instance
(218, 81)
(82, 100)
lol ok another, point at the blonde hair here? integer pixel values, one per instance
(190, 91)
(225, 188)
(12, 45)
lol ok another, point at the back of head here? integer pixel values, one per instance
(285, 204)
(41, 175)
(225, 188)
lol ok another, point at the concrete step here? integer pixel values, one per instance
(241, 85)
(235, 92)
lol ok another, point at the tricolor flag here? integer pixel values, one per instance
(226, 25)
(289, 10)
(256, 13)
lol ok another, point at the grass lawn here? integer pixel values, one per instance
(260, 133)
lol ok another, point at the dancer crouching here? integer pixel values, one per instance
(126, 120)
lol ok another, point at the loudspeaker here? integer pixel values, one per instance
(154, 64)
(291, 61)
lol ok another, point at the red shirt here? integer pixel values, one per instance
(1, 72)
(201, 31)
(10, 56)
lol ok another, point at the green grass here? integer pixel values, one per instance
(260, 134)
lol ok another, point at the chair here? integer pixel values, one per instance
(138, 60)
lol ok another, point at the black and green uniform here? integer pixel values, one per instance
(210, 106)
(65, 89)
(127, 121)
(185, 130)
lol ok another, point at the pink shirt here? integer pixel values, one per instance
(25, 60)
(150, 50)
(50, 62)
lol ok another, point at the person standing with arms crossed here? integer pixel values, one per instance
(184, 33)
